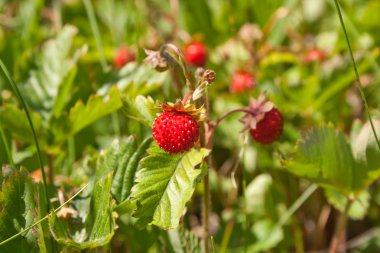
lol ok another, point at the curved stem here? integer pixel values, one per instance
(167, 51)
(22, 101)
(360, 85)
(216, 122)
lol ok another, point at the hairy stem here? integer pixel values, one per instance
(216, 122)
(209, 131)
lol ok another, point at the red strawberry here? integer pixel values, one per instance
(269, 129)
(122, 57)
(315, 55)
(196, 54)
(242, 81)
(264, 122)
(176, 129)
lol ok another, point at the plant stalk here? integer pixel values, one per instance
(50, 171)
(24, 106)
(7, 149)
(340, 232)
(360, 85)
(209, 132)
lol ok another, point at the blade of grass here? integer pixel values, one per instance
(44, 218)
(213, 245)
(23, 103)
(360, 86)
(297, 204)
(354, 30)
(7, 150)
(95, 31)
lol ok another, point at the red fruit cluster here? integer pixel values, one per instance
(196, 54)
(315, 55)
(175, 132)
(242, 81)
(122, 57)
(270, 128)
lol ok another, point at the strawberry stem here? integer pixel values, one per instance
(174, 54)
(216, 122)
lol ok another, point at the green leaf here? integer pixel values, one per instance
(52, 66)
(130, 170)
(64, 92)
(324, 156)
(140, 108)
(82, 115)
(99, 225)
(268, 235)
(135, 79)
(18, 211)
(164, 184)
(263, 199)
(358, 208)
(14, 119)
(128, 159)
(184, 241)
(365, 149)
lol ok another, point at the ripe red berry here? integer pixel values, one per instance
(242, 81)
(315, 55)
(175, 132)
(269, 129)
(122, 57)
(196, 54)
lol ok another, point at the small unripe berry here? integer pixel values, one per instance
(196, 54)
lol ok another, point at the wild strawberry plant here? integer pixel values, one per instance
(192, 126)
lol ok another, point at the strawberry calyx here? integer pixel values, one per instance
(256, 112)
(199, 114)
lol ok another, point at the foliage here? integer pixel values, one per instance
(93, 122)
(164, 184)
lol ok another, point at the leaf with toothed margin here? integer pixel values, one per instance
(164, 184)
(18, 210)
(82, 115)
(325, 157)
